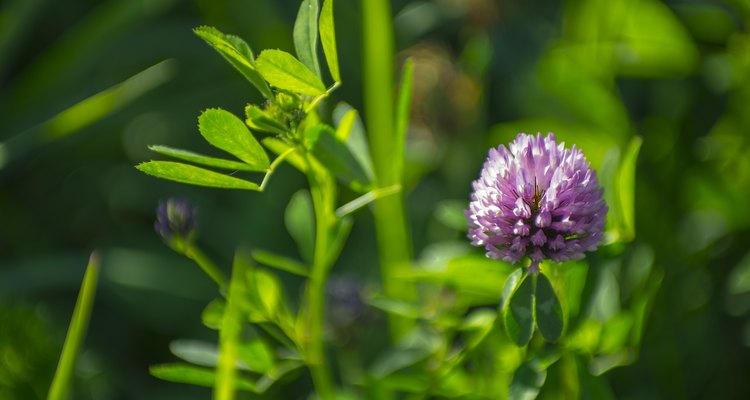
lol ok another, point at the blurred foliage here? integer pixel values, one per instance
(675, 305)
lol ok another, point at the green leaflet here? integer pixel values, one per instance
(306, 35)
(196, 158)
(328, 39)
(527, 381)
(547, 310)
(337, 157)
(299, 219)
(227, 132)
(237, 53)
(351, 131)
(192, 175)
(518, 314)
(258, 119)
(200, 376)
(284, 71)
(626, 186)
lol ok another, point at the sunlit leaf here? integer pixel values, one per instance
(196, 158)
(213, 314)
(306, 35)
(200, 376)
(626, 186)
(299, 219)
(189, 174)
(284, 71)
(256, 355)
(403, 111)
(616, 333)
(328, 39)
(227, 132)
(266, 292)
(351, 131)
(547, 310)
(345, 124)
(518, 315)
(237, 53)
(366, 199)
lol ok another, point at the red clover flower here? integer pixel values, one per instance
(536, 198)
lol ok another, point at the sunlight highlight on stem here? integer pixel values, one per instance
(77, 330)
(393, 237)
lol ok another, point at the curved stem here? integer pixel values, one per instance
(193, 252)
(273, 166)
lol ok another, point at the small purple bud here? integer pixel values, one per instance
(175, 218)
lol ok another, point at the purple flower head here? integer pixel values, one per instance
(536, 198)
(175, 218)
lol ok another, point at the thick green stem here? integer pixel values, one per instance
(323, 193)
(394, 240)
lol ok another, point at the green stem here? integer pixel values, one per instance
(193, 252)
(273, 166)
(394, 240)
(78, 323)
(317, 100)
(323, 193)
(231, 332)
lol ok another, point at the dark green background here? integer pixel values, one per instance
(596, 72)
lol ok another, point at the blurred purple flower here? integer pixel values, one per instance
(175, 218)
(536, 198)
